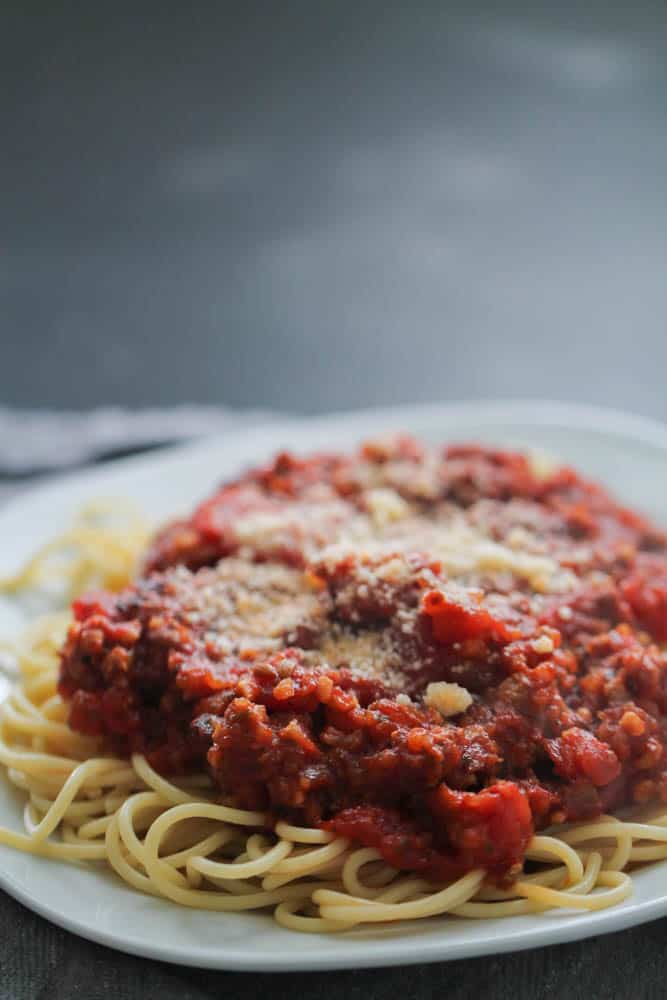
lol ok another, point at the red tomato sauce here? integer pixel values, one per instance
(432, 652)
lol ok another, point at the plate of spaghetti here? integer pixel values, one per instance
(370, 689)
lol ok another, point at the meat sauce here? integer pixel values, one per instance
(431, 652)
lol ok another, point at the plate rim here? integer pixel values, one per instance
(630, 427)
(543, 412)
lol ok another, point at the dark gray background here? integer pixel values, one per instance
(312, 206)
(317, 205)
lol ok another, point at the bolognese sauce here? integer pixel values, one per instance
(433, 652)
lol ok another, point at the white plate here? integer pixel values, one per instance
(628, 453)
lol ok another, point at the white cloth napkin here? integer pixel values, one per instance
(38, 442)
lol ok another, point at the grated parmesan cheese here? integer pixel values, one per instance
(463, 550)
(541, 463)
(386, 506)
(446, 698)
(543, 644)
(368, 653)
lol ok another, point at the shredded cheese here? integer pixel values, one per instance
(543, 644)
(446, 698)
(463, 550)
(386, 506)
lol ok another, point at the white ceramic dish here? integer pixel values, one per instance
(628, 453)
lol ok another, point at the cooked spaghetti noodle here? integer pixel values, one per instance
(175, 839)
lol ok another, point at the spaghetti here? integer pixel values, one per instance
(179, 839)
(174, 840)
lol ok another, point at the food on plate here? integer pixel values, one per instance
(363, 687)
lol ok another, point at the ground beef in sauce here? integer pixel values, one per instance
(286, 634)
